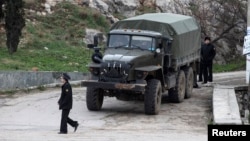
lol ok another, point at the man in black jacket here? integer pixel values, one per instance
(65, 104)
(207, 55)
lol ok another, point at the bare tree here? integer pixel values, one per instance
(220, 17)
(230, 17)
(223, 20)
(216, 17)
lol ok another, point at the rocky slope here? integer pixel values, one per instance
(115, 10)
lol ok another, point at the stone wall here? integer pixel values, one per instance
(14, 80)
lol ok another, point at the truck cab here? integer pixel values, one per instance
(141, 64)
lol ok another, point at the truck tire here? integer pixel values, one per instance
(189, 82)
(177, 93)
(152, 97)
(94, 98)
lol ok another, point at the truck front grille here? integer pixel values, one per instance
(114, 71)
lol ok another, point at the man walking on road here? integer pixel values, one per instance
(65, 104)
(207, 55)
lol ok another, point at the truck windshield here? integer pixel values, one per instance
(132, 41)
(143, 42)
(118, 41)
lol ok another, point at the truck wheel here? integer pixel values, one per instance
(152, 97)
(177, 93)
(189, 82)
(94, 98)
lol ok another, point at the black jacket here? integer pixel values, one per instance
(207, 52)
(66, 100)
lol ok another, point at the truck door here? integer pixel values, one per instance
(167, 53)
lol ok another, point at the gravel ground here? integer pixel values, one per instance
(35, 116)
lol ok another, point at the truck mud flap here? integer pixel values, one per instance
(114, 86)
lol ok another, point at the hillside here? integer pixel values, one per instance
(53, 42)
(54, 38)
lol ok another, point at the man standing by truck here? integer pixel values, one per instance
(207, 55)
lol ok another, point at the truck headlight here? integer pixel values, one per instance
(141, 74)
(94, 71)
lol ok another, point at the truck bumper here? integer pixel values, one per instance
(113, 85)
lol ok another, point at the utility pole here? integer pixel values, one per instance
(248, 34)
(247, 110)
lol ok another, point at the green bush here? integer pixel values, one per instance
(235, 65)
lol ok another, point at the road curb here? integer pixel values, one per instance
(225, 106)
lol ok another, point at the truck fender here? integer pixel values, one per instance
(148, 68)
(158, 69)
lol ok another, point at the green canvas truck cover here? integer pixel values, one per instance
(184, 30)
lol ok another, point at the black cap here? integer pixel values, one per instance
(207, 38)
(66, 76)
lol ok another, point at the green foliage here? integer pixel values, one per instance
(210, 122)
(33, 4)
(235, 65)
(41, 88)
(14, 23)
(119, 16)
(9, 92)
(55, 42)
(58, 57)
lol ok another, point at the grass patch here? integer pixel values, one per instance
(9, 92)
(235, 65)
(54, 42)
(41, 88)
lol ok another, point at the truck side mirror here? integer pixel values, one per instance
(90, 46)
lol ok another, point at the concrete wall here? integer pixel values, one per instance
(13, 80)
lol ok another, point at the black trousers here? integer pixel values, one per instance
(65, 119)
(207, 71)
(201, 71)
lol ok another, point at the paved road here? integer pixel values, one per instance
(230, 78)
(34, 116)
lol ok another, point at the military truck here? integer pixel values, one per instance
(146, 56)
